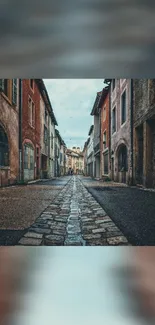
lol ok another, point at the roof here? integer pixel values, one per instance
(97, 100)
(45, 96)
(59, 137)
(91, 129)
(105, 91)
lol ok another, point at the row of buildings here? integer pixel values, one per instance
(75, 160)
(121, 141)
(31, 146)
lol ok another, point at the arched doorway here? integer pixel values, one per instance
(122, 163)
(4, 148)
(29, 161)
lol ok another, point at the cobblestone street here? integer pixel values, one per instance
(74, 218)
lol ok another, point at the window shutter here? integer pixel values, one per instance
(14, 91)
(1, 84)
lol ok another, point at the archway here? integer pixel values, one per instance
(122, 155)
(4, 148)
(29, 160)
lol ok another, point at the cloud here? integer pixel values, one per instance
(72, 101)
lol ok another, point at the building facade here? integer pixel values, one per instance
(144, 132)
(105, 134)
(47, 133)
(85, 149)
(57, 153)
(9, 131)
(31, 130)
(90, 152)
(75, 160)
(96, 112)
(120, 118)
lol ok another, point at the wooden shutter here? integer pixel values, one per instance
(14, 91)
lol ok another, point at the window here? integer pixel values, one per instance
(106, 160)
(31, 112)
(104, 113)
(123, 107)
(46, 116)
(4, 148)
(113, 84)
(104, 140)
(51, 140)
(32, 84)
(33, 115)
(45, 134)
(114, 120)
(14, 91)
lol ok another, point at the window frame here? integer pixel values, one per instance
(114, 130)
(124, 93)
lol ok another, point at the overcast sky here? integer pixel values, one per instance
(72, 101)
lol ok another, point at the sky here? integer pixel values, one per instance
(72, 101)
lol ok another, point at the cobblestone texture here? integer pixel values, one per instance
(75, 218)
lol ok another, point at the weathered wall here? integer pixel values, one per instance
(123, 132)
(9, 121)
(144, 132)
(28, 132)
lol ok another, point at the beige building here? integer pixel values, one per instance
(75, 160)
(48, 123)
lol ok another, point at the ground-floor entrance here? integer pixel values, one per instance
(29, 162)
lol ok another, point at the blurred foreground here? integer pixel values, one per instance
(76, 285)
(80, 39)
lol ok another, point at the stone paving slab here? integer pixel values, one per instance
(74, 219)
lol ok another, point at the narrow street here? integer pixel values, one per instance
(78, 211)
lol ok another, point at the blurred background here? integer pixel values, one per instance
(77, 285)
(80, 39)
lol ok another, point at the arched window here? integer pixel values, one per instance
(4, 148)
(122, 158)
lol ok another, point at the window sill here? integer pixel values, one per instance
(5, 167)
(105, 150)
(123, 124)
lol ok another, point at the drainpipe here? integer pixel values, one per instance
(131, 124)
(20, 132)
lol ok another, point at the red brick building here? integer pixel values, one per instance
(9, 131)
(30, 129)
(105, 133)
